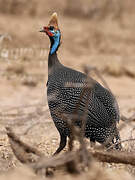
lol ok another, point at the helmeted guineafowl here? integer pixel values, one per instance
(64, 88)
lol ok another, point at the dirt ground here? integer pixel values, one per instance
(107, 45)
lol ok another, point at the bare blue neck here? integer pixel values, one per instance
(55, 42)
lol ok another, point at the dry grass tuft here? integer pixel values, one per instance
(114, 68)
(16, 69)
(130, 70)
(119, 68)
(29, 81)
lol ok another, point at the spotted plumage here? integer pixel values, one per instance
(64, 89)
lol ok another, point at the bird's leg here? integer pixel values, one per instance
(63, 141)
(118, 145)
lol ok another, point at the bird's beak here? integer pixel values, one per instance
(46, 30)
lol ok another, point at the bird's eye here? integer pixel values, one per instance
(51, 27)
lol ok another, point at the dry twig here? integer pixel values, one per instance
(21, 150)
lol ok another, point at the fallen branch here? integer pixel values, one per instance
(21, 150)
(55, 161)
(109, 157)
(115, 157)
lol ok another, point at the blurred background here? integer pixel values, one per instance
(95, 33)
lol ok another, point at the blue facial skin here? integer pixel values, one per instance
(56, 38)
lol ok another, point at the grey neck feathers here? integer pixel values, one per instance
(53, 62)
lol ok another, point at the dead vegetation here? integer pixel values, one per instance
(79, 162)
(87, 8)
(118, 69)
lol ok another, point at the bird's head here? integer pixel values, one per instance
(53, 32)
